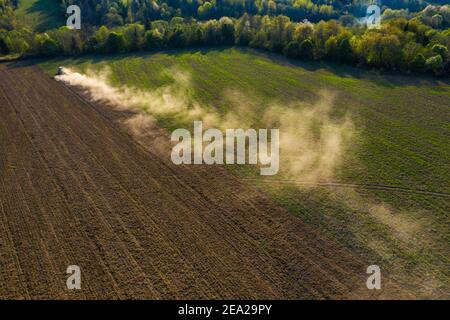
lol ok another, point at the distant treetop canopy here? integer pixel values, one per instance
(413, 37)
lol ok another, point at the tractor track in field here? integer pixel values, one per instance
(369, 186)
(78, 189)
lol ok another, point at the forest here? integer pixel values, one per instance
(414, 36)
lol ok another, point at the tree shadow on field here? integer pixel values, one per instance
(203, 50)
(377, 77)
(96, 58)
(50, 15)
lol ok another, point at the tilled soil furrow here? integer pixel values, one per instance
(23, 214)
(78, 195)
(68, 231)
(159, 250)
(11, 283)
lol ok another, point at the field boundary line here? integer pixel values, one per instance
(382, 187)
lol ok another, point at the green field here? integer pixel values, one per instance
(40, 15)
(390, 201)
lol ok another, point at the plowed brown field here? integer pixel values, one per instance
(77, 188)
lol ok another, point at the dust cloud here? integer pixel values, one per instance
(312, 142)
(168, 101)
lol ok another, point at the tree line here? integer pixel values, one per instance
(401, 44)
